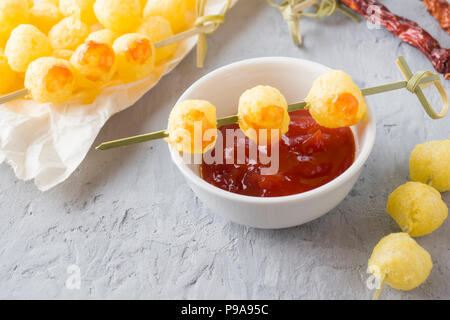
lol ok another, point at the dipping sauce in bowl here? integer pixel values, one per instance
(309, 156)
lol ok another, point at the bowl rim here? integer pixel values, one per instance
(365, 149)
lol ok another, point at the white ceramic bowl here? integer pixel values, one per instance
(293, 77)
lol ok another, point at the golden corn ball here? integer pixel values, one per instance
(157, 28)
(118, 15)
(335, 100)
(417, 208)
(26, 44)
(135, 55)
(10, 79)
(263, 107)
(12, 13)
(430, 163)
(400, 261)
(50, 79)
(68, 34)
(80, 9)
(192, 126)
(178, 12)
(94, 64)
(45, 16)
(103, 36)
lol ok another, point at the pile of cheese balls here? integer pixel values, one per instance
(334, 101)
(418, 209)
(55, 47)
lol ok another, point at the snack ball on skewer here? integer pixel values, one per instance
(26, 43)
(180, 13)
(335, 100)
(192, 126)
(430, 163)
(12, 13)
(118, 15)
(135, 55)
(50, 79)
(45, 16)
(417, 208)
(158, 28)
(400, 261)
(103, 36)
(81, 9)
(94, 64)
(68, 34)
(263, 107)
(10, 79)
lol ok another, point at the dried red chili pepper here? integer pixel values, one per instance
(440, 10)
(407, 30)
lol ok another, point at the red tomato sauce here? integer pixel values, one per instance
(309, 156)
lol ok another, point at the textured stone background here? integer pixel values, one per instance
(135, 229)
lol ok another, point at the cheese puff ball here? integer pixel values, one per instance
(157, 28)
(118, 15)
(192, 126)
(430, 163)
(94, 64)
(68, 34)
(263, 107)
(335, 101)
(417, 208)
(135, 56)
(12, 13)
(26, 44)
(178, 12)
(10, 79)
(45, 16)
(81, 9)
(400, 261)
(103, 36)
(50, 79)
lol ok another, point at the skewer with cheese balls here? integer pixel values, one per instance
(335, 100)
(10, 79)
(400, 261)
(417, 208)
(68, 34)
(81, 9)
(94, 64)
(192, 126)
(12, 13)
(263, 108)
(118, 15)
(180, 13)
(430, 163)
(103, 36)
(44, 16)
(50, 80)
(26, 43)
(135, 55)
(158, 28)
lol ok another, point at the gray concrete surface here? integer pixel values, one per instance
(130, 223)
